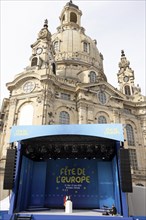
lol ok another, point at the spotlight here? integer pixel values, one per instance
(29, 149)
(43, 149)
(74, 149)
(66, 149)
(57, 149)
(103, 148)
(89, 149)
(96, 148)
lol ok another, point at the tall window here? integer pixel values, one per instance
(73, 17)
(130, 135)
(63, 19)
(92, 77)
(133, 159)
(56, 46)
(85, 47)
(64, 118)
(102, 120)
(34, 61)
(127, 90)
(102, 97)
(26, 115)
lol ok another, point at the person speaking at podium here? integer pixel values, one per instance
(68, 205)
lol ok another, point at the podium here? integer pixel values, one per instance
(68, 207)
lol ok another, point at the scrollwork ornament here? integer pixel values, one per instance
(39, 99)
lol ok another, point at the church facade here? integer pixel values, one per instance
(65, 83)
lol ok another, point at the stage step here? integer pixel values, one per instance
(23, 217)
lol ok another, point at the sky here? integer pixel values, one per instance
(116, 25)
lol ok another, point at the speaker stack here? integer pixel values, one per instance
(10, 167)
(125, 170)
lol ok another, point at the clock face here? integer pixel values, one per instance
(126, 79)
(39, 50)
(28, 87)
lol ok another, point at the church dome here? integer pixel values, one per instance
(74, 49)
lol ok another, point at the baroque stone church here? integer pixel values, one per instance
(65, 83)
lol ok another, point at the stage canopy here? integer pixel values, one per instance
(109, 131)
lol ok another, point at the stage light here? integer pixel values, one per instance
(43, 149)
(111, 151)
(50, 147)
(66, 148)
(97, 146)
(103, 148)
(57, 149)
(29, 149)
(89, 149)
(74, 149)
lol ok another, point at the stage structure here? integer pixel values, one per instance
(86, 162)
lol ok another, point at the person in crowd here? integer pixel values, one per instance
(113, 210)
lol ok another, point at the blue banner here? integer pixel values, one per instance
(110, 131)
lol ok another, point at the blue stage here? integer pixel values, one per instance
(81, 161)
(5, 216)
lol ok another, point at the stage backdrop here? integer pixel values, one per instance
(88, 182)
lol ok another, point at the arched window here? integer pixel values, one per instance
(54, 68)
(130, 135)
(26, 115)
(56, 46)
(92, 77)
(102, 97)
(85, 47)
(133, 159)
(102, 120)
(127, 90)
(63, 19)
(64, 118)
(73, 17)
(34, 61)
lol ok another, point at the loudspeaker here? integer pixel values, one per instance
(10, 167)
(125, 170)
